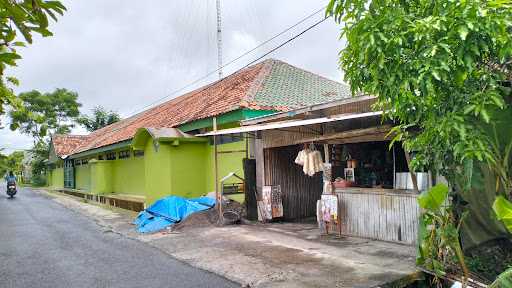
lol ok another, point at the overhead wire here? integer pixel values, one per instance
(241, 56)
(247, 65)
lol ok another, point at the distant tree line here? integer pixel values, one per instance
(41, 115)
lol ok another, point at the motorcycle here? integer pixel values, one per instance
(11, 189)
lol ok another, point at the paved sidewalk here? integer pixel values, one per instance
(270, 255)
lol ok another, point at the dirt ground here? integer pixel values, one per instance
(267, 255)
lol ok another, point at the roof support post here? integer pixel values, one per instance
(218, 196)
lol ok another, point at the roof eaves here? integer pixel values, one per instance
(279, 115)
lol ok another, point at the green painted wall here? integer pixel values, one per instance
(56, 178)
(83, 178)
(101, 176)
(188, 169)
(175, 169)
(157, 169)
(227, 162)
(128, 175)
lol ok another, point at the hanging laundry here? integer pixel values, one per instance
(301, 157)
(311, 161)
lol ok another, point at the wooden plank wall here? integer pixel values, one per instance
(300, 192)
(381, 216)
(293, 135)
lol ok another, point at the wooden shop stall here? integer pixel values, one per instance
(338, 153)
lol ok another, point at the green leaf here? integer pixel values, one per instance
(504, 280)
(503, 209)
(433, 198)
(461, 76)
(485, 116)
(463, 32)
(436, 75)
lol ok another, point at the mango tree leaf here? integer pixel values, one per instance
(463, 32)
(433, 198)
(504, 280)
(503, 209)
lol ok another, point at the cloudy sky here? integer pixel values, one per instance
(126, 55)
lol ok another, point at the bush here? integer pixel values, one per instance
(39, 180)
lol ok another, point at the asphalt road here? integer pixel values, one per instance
(43, 244)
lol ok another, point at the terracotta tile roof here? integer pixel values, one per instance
(64, 145)
(268, 85)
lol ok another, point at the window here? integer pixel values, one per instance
(78, 162)
(124, 154)
(111, 156)
(100, 157)
(85, 161)
(229, 138)
(138, 153)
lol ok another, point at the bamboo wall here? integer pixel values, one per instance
(380, 215)
(300, 192)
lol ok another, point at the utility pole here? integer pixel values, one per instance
(218, 196)
(219, 39)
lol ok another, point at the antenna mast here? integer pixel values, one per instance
(219, 39)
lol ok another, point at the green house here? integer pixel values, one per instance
(155, 153)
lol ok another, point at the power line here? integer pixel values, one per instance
(247, 65)
(286, 42)
(237, 58)
(252, 62)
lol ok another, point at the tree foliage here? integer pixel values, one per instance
(19, 21)
(441, 71)
(437, 67)
(40, 154)
(100, 118)
(45, 113)
(11, 162)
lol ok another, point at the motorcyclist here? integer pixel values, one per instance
(10, 178)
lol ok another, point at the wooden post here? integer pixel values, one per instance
(260, 165)
(216, 171)
(394, 167)
(326, 153)
(413, 175)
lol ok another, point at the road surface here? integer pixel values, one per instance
(43, 244)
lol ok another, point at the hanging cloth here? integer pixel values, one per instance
(311, 161)
(301, 157)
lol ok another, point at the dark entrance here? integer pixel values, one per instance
(299, 191)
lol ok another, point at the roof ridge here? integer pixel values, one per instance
(258, 81)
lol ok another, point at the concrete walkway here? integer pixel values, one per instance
(270, 255)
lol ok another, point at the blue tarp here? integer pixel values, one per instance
(168, 211)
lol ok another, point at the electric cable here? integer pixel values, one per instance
(238, 58)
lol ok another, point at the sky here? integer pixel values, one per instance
(129, 55)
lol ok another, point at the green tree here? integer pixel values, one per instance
(11, 162)
(40, 154)
(100, 118)
(25, 17)
(45, 113)
(441, 71)
(437, 67)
